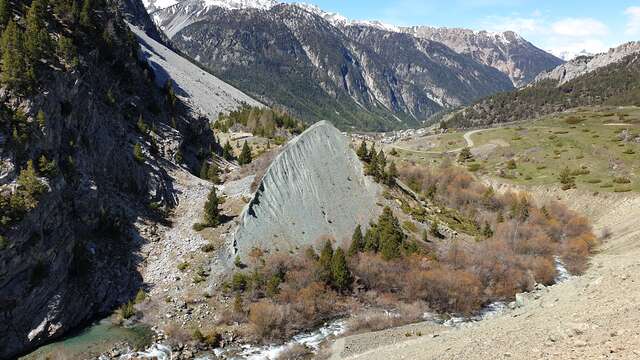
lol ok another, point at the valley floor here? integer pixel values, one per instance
(594, 316)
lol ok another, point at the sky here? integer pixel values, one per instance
(556, 26)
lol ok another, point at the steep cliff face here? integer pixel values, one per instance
(361, 76)
(506, 51)
(585, 64)
(315, 188)
(101, 136)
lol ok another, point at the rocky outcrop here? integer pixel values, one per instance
(357, 76)
(113, 136)
(585, 64)
(315, 188)
(505, 51)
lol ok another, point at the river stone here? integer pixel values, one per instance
(314, 189)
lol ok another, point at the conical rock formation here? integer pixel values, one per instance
(315, 188)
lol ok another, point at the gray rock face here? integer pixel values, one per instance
(585, 64)
(315, 188)
(361, 76)
(506, 51)
(204, 93)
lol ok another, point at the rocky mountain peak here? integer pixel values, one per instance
(505, 51)
(585, 64)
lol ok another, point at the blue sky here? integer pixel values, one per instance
(556, 26)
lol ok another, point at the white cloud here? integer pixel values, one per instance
(522, 25)
(633, 24)
(563, 37)
(579, 27)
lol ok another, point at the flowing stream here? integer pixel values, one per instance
(102, 336)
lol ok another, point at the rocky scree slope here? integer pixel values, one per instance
(357, 77)
(506, 51)
(315, 188)
(585, 64)
(71, 252)
(202, 92)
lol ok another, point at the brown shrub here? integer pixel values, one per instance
(269, 320)
(454, 291)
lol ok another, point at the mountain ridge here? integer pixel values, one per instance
(351, 75)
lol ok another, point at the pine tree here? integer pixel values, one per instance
(362, 151)
(5, 13)
(29, 186)
(67, 51)
(357, 241)
(142, 126)
(85, 14)
(487, 232)
(14, 65)
(37, 40)
(340, 275)
(138, 155)
(372, 239)
(227, 151)
(465, 155)
(211, 209)
(245, 155)
(41, 120)
(391, 235)
(213, 173)
(324, 262)
(46, 167)
(392, 174)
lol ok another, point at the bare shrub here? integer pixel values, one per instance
(268, 320)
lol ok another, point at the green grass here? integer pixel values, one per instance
(542, 148)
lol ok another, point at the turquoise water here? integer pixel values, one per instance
(93, 340)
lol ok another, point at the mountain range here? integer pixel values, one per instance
(357, 74)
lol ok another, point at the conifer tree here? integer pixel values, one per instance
(245, 155)
(487, 232)
(340, 275)
(85, 14)
(138, 155)
(37, 40)
(391, 235)
(324, 262)
(5, 13)
(227, 151)
(371, 239)
(14, 65)
(362, 151)
(465, 155)
(357, 241)
(41, 119)
(392, 174)
(213, 173)
(211, 209)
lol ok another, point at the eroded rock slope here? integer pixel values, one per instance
(315, 188)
